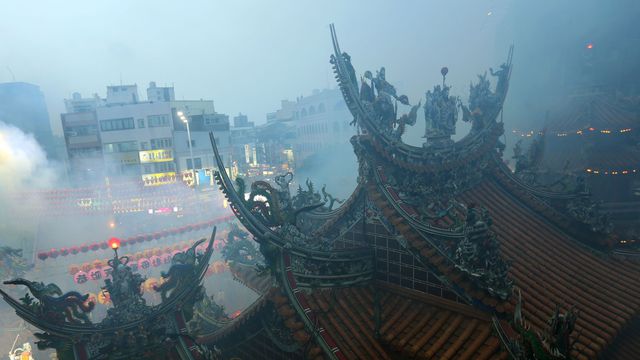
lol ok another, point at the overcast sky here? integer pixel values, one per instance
(245, 55)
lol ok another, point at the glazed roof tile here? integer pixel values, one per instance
(410, 324)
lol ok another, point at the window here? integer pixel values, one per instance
(117, 124)
(162, 143)
(197, 161)
(121, 147)
(140, 123)
(158, 120)
(312, 110)
(193, 143)
(321, 108)
(303, 113)
(164, 167)
(144, 145)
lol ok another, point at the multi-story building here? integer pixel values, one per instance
(22, 105)
(318, 121)
(82, 138)
(137, 140)
(142, 140)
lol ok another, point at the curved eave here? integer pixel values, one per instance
(235, 324)
(70, 331)
(253, 225)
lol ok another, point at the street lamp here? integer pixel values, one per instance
(186, 121)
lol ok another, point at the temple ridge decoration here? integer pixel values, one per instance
(441, 114)
(131, 328)
(478, 254)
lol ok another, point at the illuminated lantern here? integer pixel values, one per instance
(155, 260)
(98, 264)
(164, 233)
(94, 246)
(64, 251)
(104, 298)
(95, 274)
(150, 284)
(73, 269)
(86, 267)
(84, 248)
(148, 237)
(166, 258)
(114, 243)
(74, 250)
(139, 238)
(144, 264)
(157, 251)
(156, 235)
(103, 245)
(43, 255)
(218, 267)
(80, 277)
(53, 253)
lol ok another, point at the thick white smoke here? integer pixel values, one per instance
(23, 163)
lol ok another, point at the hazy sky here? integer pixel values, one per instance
(245, 55)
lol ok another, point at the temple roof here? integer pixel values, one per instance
(410, 323)
(594, 113)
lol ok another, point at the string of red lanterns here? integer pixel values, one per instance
(83, 248)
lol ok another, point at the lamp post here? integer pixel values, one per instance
(186, 121)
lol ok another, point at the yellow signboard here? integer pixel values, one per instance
(159, 179)
(152, 156)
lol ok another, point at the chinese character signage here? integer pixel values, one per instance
(152, 156)
(159, 179)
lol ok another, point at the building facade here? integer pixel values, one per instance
(23, 105)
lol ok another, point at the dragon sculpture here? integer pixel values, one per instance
(554, 343)
(478, 254)
(52, 304)
(183, 266)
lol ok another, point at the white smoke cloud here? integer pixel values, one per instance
(23, 163)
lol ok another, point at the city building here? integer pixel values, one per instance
(124, 137)
(23, 105)
(319, 121)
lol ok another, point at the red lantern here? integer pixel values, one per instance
(84, 248)
(53, 253)
(86, 267)
(80, 277)
(114, 243)
(139, 238)
(74, 250)
(43, 255)
(166, 258)
(144, 264)
(103, 245)
(73, 269)
(64, 251)
(96, 274)
(155, 260)
(94, 246)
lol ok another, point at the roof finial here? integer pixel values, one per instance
(444, 71)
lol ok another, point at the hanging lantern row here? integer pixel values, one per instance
(83, 248)
(611, 172)
(142, 260)
(589, 130)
